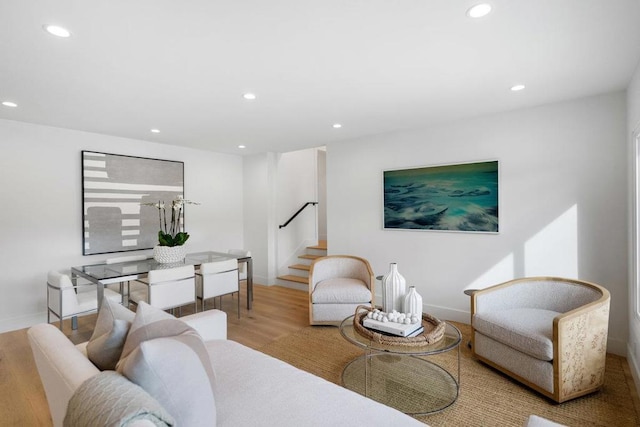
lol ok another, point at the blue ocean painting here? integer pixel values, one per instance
(461, 197)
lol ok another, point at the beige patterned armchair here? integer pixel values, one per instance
(548, 333)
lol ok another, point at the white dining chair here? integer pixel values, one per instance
(216, 279)
(66, 300)
(166, 289)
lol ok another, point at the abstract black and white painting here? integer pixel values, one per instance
(458, 197)
(114, 187)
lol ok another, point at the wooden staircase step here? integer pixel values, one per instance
(293, 278)
(311, 257)
(322, 245)
(300, 267)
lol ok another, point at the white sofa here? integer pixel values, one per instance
(251, 388)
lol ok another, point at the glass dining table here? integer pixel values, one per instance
(105, 274)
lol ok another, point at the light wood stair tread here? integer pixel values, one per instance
(310, 256)
(300, 267)
(293, 278)
(322, 245)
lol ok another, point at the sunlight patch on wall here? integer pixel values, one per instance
(553, 251)
(501, 272)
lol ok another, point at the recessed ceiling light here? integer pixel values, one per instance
(9, 104)
(479, 10)
(517, 88)
(249, 96)
(155, 130)
(242, 146)
(57, 31)
(337, 125)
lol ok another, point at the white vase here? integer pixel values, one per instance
(169, 254)
(393, 290)
(413, 302)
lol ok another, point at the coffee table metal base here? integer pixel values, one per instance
(411, 384)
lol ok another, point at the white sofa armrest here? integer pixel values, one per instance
(210, 324)
(62, 367)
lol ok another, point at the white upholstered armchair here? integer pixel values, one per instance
(548, 333)
(337, 285)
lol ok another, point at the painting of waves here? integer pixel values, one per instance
(460, 197)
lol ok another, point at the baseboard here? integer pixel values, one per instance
(21, 322)
(634, 368)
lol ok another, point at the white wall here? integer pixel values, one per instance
(42, 208)
(296, 185)
(633, 121)
(322, 194)
(562, 203)
(260, 218)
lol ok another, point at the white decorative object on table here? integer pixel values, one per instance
(393, 290)
(169, 254)
(401, 324)
(413, 302)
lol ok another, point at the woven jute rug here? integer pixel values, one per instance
(487, 397)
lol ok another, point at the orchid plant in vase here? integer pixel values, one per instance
(170, 233)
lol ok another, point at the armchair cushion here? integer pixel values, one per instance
(341, 290)
(529, 330)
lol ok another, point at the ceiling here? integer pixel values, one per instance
(375, 66)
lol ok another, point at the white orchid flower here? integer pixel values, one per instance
(170, 229)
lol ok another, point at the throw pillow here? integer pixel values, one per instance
(106, 342)
(149, 323)
(109, 399)
(172, 371)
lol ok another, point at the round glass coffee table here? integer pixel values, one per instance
(415, 380)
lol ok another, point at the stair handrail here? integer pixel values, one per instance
(297, 213)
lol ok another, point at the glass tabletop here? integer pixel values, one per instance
(105, 271)
(449, 341)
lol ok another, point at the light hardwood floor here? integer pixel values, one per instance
(277, 311)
